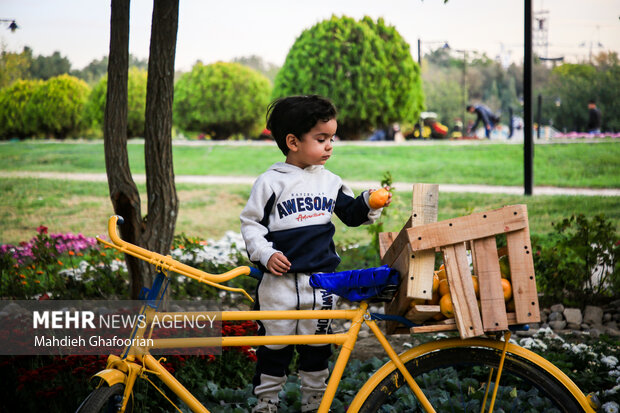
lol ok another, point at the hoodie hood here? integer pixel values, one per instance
(288, 168)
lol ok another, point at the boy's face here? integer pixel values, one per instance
(314, 147)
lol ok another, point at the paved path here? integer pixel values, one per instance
(249, 180)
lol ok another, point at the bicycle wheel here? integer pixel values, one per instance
(105, 399)
(454, 375)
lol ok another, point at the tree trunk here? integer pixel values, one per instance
(155, 232)
(162, 197)
(123, 191)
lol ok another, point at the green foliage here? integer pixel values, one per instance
(579, 263)
(136, 102)
(47, 67)
(575, 85)
(14, 66)
(13, 101)
(56, 107)
(257, 63)
(364, 66)
(98, 68)
(221, 99)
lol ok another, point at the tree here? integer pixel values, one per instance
(364, 66)
(14, 66)
(136, 102)
(155, 231)
(13, 101)
(46, 67)
(97, 69)
(56, 107)
(257, 63)
(222, 99)
(574, 84)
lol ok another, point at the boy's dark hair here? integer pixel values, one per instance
(297, 115)
(469, 107)
(592, 102)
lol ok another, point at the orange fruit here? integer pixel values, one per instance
(510, 306)
(444, 288)
(441, 274)
(435, 281)
(378, 198)
(442, 267)
(507, 287)
(476, 285)
(445, 304)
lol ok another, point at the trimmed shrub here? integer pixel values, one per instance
(56, 107)
(364, 66)
(136, 102)
(221, 99)
(13, 100)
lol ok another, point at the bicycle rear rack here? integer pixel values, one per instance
(412, 252)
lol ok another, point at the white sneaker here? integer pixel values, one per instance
(312, 405)
(265, 406)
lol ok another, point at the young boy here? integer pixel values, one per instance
(288, 232)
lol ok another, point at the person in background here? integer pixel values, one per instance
(484, 114)
(594, 118)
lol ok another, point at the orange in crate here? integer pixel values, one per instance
(507, 287)
(446, 306)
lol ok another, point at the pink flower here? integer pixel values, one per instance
(42, 229)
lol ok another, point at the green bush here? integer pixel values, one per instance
(578, 263)
(365, 67)
(13, 100)
(56, 107)
(136, 102)
(221, 99)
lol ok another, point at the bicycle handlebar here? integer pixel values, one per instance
(170, 264)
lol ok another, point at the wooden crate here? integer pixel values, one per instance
(412, 252)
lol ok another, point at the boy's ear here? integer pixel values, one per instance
(291, 142)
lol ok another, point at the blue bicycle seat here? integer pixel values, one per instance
(378, 283)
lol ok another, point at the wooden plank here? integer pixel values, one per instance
(420, 313)
(424, 204)
(423, 211)
(462, 291)
(421, 285)
(522, 276)
(445, 325)
(486, 267)
(457, 230)
(400, 303)
(385, 240)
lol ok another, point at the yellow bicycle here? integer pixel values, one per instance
(477, 374)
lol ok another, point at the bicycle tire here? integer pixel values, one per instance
(537, 385)
(105, 399)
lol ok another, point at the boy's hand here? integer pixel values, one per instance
(278, 264)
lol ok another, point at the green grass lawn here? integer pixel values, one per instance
(210, 211)
(595, 165)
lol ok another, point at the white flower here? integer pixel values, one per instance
(614, 373)
(609, 361)
(533, 344)
(611, 407)
(439, 336)
(612, 391)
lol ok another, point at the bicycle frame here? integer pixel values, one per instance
(137, 361)
(134, 365)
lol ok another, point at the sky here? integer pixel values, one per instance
(221, 30)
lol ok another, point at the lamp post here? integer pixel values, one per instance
(12, 25)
